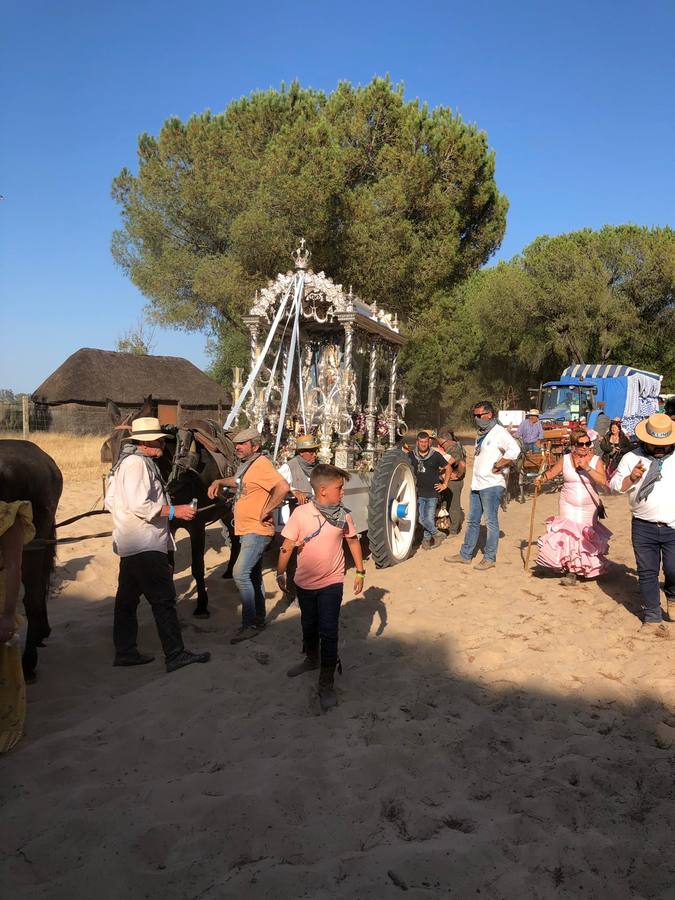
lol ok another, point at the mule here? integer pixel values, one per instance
(188, 467)
(28, 473)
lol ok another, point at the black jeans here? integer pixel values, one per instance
(654, 544)
(320, 618)
(149, 574)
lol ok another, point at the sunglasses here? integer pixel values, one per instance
(583, 443)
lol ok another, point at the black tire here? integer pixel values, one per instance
(378, 508)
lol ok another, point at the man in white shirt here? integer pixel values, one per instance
(141, 512)
(647, 475)
(495, 450)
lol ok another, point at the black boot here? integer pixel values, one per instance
(327, 696)
(186, 658)
(132, 659)
(308, 664)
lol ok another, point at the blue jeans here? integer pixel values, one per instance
(530, 447)
(320, 618)
(247, 574)
(483, 503)
(426, 513)
(654, 544)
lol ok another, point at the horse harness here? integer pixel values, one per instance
(206, 433)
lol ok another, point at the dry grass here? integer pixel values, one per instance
(78, 456)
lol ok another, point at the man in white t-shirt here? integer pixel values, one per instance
(647, 475)
(495, 450)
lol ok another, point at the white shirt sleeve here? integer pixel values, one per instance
(285, 472)
(133, 490)
(625, 467)
(511, 447)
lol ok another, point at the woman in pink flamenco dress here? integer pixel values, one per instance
(576, 542)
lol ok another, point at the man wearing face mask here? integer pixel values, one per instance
(495, 450)
(647, 475)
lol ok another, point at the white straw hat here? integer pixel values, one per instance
(146, 428)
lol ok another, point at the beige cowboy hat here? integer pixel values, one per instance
(533, 412)
(658, 429)
(306, 442)
(146, 428)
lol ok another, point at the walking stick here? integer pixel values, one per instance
(529, 539)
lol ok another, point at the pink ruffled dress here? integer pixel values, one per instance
(575, 541)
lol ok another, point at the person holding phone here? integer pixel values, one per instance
(647, 475)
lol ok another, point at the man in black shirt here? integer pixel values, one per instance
(431, 471)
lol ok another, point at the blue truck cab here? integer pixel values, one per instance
(628, 394)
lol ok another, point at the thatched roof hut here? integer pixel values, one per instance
(74, 397)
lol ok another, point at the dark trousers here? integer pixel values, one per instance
(654, 544)
(453, 500)
(320, 618)
(149, 574)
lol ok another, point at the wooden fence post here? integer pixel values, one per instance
(25, 411)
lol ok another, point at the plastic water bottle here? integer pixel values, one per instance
(193, 503)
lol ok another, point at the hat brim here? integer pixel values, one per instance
(148, 435)
(643, 435)
(307, 447)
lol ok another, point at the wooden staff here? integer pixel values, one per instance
(537, 488)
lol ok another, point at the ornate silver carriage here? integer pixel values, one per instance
(325, 362)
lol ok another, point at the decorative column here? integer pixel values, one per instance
(344, 454)
(237, 385)
(392, 398)
(253, 334)
(371, 409)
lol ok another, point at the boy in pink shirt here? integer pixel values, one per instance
(317, 529)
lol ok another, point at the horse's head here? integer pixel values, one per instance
(112, 446)
(202, 454)
(185, 461)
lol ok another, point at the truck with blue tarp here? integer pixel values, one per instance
(628, 394)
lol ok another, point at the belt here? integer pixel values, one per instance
(649, 522)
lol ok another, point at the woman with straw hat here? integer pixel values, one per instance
(647, 475)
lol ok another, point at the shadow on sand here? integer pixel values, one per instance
(422, 781)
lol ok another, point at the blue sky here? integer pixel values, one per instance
(576, 99)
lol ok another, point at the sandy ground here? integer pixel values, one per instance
(497, 735)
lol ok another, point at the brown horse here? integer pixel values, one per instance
(28, 473)
(189, 467)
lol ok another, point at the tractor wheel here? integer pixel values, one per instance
(392, 509)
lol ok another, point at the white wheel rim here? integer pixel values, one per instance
(401, 528)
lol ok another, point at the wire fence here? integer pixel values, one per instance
(21, 415)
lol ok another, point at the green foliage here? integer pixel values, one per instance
(227, 348)
(138, 340)
(588, 296)
(393, 198)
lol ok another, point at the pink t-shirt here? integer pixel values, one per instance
(321, 561)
